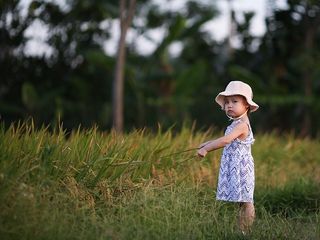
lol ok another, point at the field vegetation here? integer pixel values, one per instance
(89, 184)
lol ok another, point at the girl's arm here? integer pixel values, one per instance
(240, 131)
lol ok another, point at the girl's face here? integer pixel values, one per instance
(235, 105)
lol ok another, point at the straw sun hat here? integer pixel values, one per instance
(238, 88)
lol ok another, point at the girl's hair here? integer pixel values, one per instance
(248, 107)
(245, 101)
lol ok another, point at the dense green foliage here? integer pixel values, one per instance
(89, 184)
(73, 83)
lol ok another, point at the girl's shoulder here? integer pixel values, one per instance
(241, 123)
(239, 126)
(247, 131)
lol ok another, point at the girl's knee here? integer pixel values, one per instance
(248, 209)
(247, 205)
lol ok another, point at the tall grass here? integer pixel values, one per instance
(89, 184)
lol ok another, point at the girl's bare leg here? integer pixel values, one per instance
(246, 216)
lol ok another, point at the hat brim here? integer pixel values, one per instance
(220, 100)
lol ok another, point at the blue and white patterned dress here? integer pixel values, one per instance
(236, 176)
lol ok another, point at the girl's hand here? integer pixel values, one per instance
(202, 152)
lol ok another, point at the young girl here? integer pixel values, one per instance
(236, 176)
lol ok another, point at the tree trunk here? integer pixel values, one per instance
(125, 18)
(232, 30)
(311, 27)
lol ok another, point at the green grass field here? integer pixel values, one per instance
(90, 184)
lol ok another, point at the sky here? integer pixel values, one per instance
(217, 28)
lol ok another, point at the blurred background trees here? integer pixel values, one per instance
(72, 80)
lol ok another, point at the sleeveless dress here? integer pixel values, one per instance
(236, 175)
